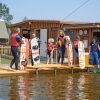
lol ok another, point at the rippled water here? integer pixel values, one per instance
(77, 86)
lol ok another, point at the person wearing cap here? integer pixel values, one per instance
(15, 40)
(61, 46)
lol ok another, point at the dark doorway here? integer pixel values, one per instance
(26, 34)
(97, 34)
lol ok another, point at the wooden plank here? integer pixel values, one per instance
(4, 69)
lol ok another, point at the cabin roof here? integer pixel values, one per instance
(33, 21)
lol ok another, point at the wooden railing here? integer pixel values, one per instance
(5, 52)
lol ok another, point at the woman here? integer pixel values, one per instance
(61, 46)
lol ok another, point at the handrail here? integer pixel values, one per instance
(5, 51)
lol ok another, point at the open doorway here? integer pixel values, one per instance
(26, 34)
(43, 45)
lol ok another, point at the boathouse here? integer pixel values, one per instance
(85, 30)
(49, 28)
(44, 29)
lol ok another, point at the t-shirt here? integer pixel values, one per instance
(94, 46)
(76, 45)
(50, 47)
(18, 38)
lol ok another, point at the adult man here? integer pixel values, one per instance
(15, 39)
(36, 41)
(94, 52)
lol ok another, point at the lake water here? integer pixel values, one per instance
(77, 86)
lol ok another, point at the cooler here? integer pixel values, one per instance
(86, 58)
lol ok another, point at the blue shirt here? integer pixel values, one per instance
(94, 47)
(18, 38)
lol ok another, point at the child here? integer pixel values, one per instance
(50, 49)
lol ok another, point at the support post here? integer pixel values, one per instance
(55, 70)
(72, 70)
(37, 72)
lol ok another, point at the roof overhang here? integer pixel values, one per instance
(34, 21)
(78, 26)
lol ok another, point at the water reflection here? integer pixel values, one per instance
(41, 89)
(81, 88)
(19, 88)
(69, 88)
(4, 88)
(50, 87)
(23, 86)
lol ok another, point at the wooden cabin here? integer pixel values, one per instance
(49, 28)
(28, 26)
(85, 30)
(44, 29)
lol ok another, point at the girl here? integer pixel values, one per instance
(50, 49)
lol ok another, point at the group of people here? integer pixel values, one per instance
(61, 44)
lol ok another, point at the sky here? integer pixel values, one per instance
(54, 10)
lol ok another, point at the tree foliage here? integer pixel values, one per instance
(4, 13)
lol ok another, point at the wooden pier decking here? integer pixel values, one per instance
(42, 67)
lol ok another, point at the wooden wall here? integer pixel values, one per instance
(51, 26)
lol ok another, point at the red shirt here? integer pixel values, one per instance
(13, 41)
(50, 47)
(76, 44)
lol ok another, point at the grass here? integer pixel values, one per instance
(7, 61)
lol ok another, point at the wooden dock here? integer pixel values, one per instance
(43, 67)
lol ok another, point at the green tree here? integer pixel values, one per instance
(4, 13)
